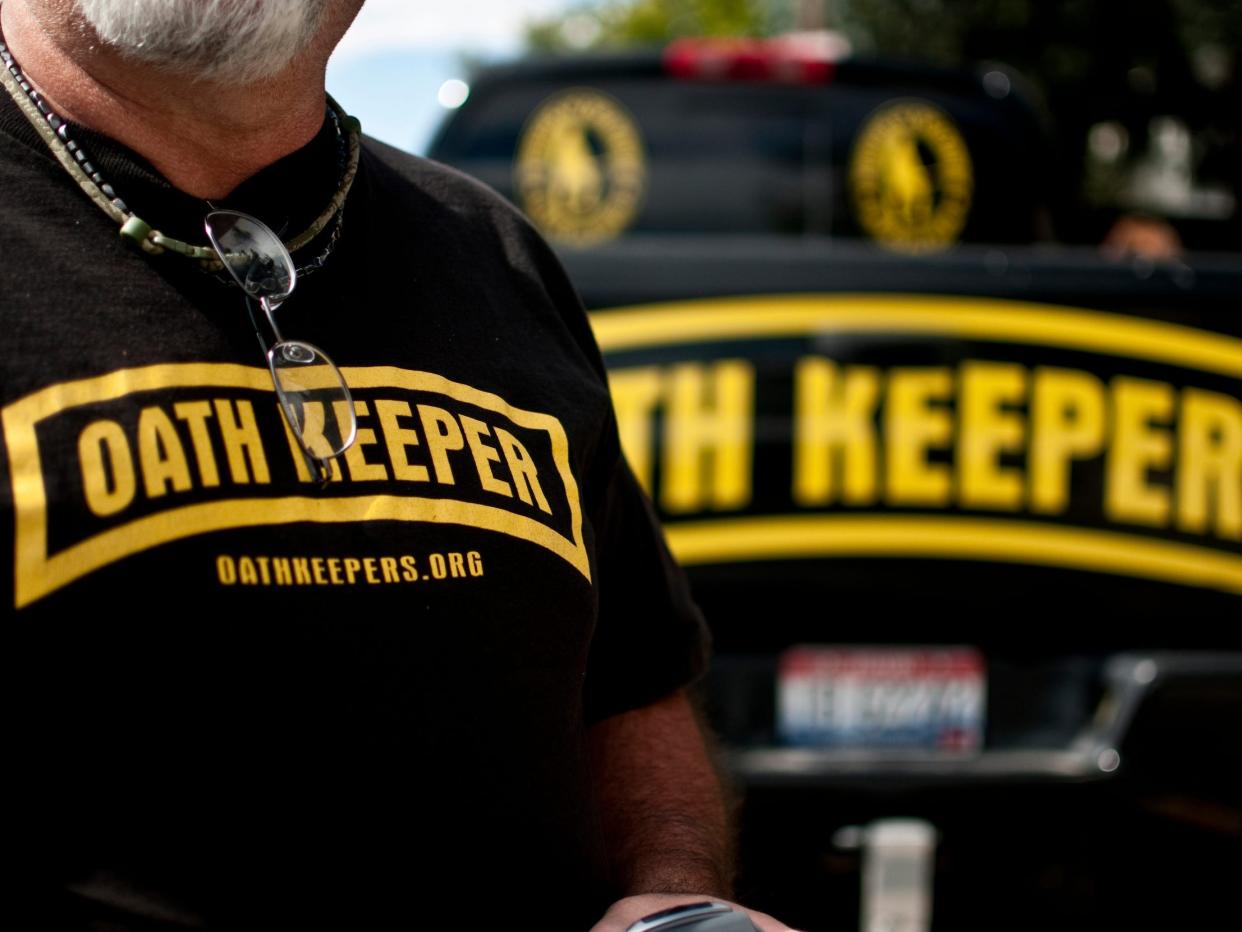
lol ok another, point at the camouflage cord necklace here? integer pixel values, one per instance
(54, 131)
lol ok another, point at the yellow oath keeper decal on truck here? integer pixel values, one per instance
(907, 426)
(580, 171)
(108, 467)
(911, 178)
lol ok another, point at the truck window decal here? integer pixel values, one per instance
(580, 170)
(911, 178)
(823, 426)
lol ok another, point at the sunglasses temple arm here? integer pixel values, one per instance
(269, 309)
(254, 322)
(320, 469)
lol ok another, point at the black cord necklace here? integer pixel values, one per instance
(54, 131)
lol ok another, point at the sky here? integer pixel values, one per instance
(389, 68)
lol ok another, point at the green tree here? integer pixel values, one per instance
(931, 30)
(623, 23)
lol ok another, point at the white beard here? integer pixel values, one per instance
(237, 41)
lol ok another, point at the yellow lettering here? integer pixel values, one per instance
(226, 570)
(369, 565)
(986, 430)
(397, 438)
(334, 571)
(352, 566)
(408, 571)
(242, 442)
(195, 414)
(164, 466)
(474, 560)
(107, 468)
(1138, 446)
(833, 422)
(389, 566)
(443, 435)
(1210, 464)
(522, 469)
(708, 421)
(439, 569)
(457, 565)
(635, 395)
(283, 571)
(355, 457)
(912, 426)
(299, 454)
(318, 564)
(302, 571)
(484, 456)
(246, 572)
(263, 571)
(1067, 423)
(314, 428)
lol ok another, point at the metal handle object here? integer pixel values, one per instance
(696, 917)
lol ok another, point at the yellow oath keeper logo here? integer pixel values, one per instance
(108, 467)
(581, 171)
(911, 178)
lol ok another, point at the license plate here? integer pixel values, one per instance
(925, 699)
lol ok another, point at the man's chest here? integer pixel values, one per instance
(142, 428)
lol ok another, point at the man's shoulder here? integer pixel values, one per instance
(463, 210)
(468, 215)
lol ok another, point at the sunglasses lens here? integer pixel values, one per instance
(253, 254)
(314, 397)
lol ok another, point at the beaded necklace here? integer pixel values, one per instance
(54, 131)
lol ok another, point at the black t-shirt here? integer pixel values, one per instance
(243, 700)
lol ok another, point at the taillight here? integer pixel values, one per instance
(798, 58)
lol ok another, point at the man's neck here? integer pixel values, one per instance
(205, 138)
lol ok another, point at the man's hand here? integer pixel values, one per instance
(625, 913)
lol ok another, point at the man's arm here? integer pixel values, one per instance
(664, 816)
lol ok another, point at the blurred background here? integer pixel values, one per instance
(922, 325)
(1140, 100)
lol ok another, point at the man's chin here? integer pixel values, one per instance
(234, 41)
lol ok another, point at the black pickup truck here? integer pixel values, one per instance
(963, 506)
